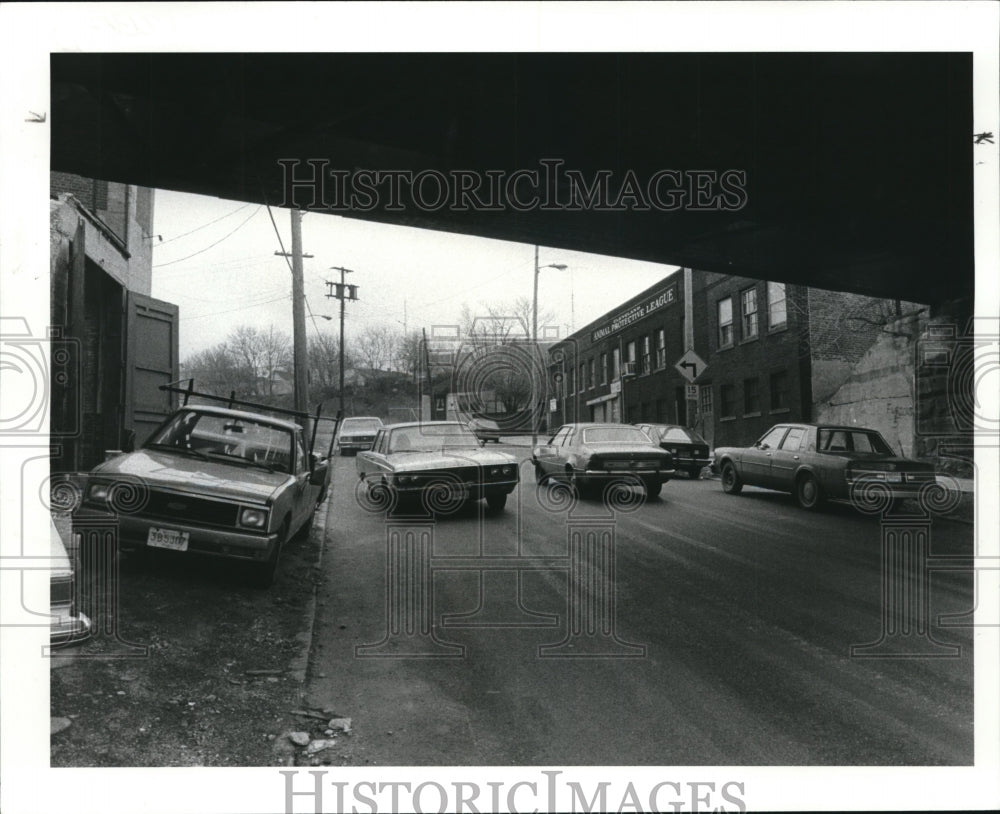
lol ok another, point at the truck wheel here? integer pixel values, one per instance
(731, 483)
(653, 489)
(263, 573)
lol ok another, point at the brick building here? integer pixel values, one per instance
(116, 343)
(758, 351)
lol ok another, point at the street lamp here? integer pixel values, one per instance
(534, 321)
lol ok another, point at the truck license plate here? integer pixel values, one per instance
(168, 538)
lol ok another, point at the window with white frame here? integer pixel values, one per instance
(748, 301)
(661, 349)
(725, 307)
(777, 312)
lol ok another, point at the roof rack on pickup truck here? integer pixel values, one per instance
(188, 391)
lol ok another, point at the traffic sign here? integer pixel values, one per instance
(692, 392)
(690, 365)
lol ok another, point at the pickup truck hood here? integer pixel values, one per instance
(187, 473)
(416, 461)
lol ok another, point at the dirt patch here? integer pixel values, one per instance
(220, 674)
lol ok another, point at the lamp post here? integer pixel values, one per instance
(534, 319)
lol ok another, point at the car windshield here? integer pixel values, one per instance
(615, 435)
(431, 437)
(227, 437)
(867, 442)
(361, 424)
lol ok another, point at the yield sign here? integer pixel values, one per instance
(690, 365)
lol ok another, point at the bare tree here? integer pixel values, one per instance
(324, 360)
(259, 353)
(499, 354)
(377, 347)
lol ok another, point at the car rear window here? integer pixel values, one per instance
(678, 435)
(867, 442)
(614, 435)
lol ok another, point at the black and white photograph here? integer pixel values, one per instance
(500, 407)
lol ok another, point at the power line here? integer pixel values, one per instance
(240, 308)
(199, 228)
(213, 245)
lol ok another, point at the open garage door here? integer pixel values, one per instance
(151, 359)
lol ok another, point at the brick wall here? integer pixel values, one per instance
(773, 351)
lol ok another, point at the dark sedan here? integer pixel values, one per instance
(587, 455)
(689, 450)
(816, 462)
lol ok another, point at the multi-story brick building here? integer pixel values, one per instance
(756, 352)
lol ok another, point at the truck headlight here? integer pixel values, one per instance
(253, 518)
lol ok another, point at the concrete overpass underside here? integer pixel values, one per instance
(852, 171)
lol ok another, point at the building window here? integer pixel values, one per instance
(779, 390)
(777, 313)
(661, 349)
(604, 368)
(569, 380)
(630, 357)
(725, 322)
(647, 359)
(751, 396)
(583, 377)
(616, 364)
(748, 300)
(706, 399)
(727, 401)
(591, 373)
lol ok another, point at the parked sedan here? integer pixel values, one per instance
(818, 462)
(485, 429)
(585, 455)
(358, 433)
(689, 450)
(212, 481)
(439, 462)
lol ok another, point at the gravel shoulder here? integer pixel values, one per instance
(222, 671)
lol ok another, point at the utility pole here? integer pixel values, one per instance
(300, 363)
(343, 293)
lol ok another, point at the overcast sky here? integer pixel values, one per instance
(217, 262)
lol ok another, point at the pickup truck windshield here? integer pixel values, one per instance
(226, 437)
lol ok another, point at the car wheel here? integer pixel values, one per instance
(540, 476)
(496, 502)
(653, 489)
(807, 492)
(731, 483)
(263, 573)
(694, 472)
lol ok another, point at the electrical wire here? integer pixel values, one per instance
(211, 246)
(239, 308)
(199, 228)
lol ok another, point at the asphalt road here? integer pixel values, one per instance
(710, 629)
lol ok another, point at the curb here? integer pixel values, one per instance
(300, 664)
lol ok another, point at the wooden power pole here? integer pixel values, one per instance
(300, 356)
(343, 293)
